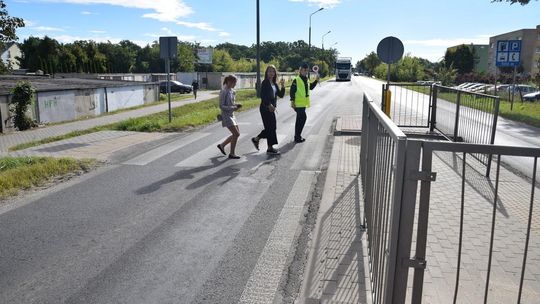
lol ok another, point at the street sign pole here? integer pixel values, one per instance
(513, 89)
(168, 71)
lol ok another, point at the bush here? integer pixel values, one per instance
(21, 100)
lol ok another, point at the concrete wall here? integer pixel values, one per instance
(125, 97)
(529, 41)
(214, 80)
(56, 106)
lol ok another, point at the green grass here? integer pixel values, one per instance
(184, 117)
(21, 173)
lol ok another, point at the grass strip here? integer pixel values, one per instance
(22, 173)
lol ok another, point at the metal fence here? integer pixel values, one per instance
(460, 116)
(487, 222)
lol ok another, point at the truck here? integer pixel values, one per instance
(343, 69)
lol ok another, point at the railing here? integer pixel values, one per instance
(472, 213)
(460, 116)
(382, 161)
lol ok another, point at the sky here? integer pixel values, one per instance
(426, 27)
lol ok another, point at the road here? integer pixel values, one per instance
(508, 133)
(175, 221)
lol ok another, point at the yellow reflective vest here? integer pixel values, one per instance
(301, 98)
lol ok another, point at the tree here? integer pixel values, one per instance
(8, 25)
(522, 2)
(369, 63)
(462, 59)
(446, 75)
(23, 94)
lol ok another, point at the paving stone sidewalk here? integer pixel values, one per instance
(337, 270)
(16, 138)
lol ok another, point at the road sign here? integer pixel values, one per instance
(205, 55)
(508, 53)
(390, 50)
(167, 47)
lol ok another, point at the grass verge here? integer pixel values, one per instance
(22, 173)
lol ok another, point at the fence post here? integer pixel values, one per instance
(456, 124)
(433, 120)
(406, 220)
(493, 130)
(383, 99)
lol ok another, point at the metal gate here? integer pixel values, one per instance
(394, 168)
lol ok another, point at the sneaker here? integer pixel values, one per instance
(299, 140)
(255, 143)
(273, 152)
(221, 149)
(234, 156)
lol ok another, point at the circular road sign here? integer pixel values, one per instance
(315, 68)
(390, 50)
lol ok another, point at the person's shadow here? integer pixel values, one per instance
(183, 174)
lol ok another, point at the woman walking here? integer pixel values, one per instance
(227, 105)
(270, 91)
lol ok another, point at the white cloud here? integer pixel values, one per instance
(321, 3)
(439, 42)
(164, 10)
(29, 23)
(47, 29)
(87, 13)
(98, 32)
(199, 25)
(224, 34)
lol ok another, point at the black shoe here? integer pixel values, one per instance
(234, 156)
(299, 140)
(255, 143)
(273, 152)
(221, 149)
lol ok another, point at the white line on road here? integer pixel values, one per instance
(264, 280)
(203, 157)
(161, 151)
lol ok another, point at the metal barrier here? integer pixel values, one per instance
(382, 161)
(392, 169)
(460, 116)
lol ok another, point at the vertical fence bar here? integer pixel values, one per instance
(461, 218)
(433, 120)
(493, 130)
(456, 123)
(528, 230)
(422, 228)
(494, 216)
(406, 223)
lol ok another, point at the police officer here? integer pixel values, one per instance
(300, 100)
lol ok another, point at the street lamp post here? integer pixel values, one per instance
(309, 46)
(323, 39)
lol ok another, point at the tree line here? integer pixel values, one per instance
(50, 56)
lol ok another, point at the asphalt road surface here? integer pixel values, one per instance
(173, 221)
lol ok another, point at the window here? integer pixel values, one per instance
(538, 50)
(538, 36)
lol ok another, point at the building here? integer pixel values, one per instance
(9, 54)
(530, 49)
(66, 99)
(480, 52)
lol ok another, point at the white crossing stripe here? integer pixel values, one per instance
(263, 283)
(163, 150)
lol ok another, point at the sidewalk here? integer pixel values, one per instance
(12, 139)
(337, 270)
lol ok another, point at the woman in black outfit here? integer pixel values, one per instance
(270, 91)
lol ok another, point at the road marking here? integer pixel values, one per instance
(163, 150)
(204, 157)
(264, 281)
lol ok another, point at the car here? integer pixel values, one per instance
(356, 74)
(532, 96)
(176, 87)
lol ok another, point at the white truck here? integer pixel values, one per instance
(343, 69)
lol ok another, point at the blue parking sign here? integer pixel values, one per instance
(508, 53)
